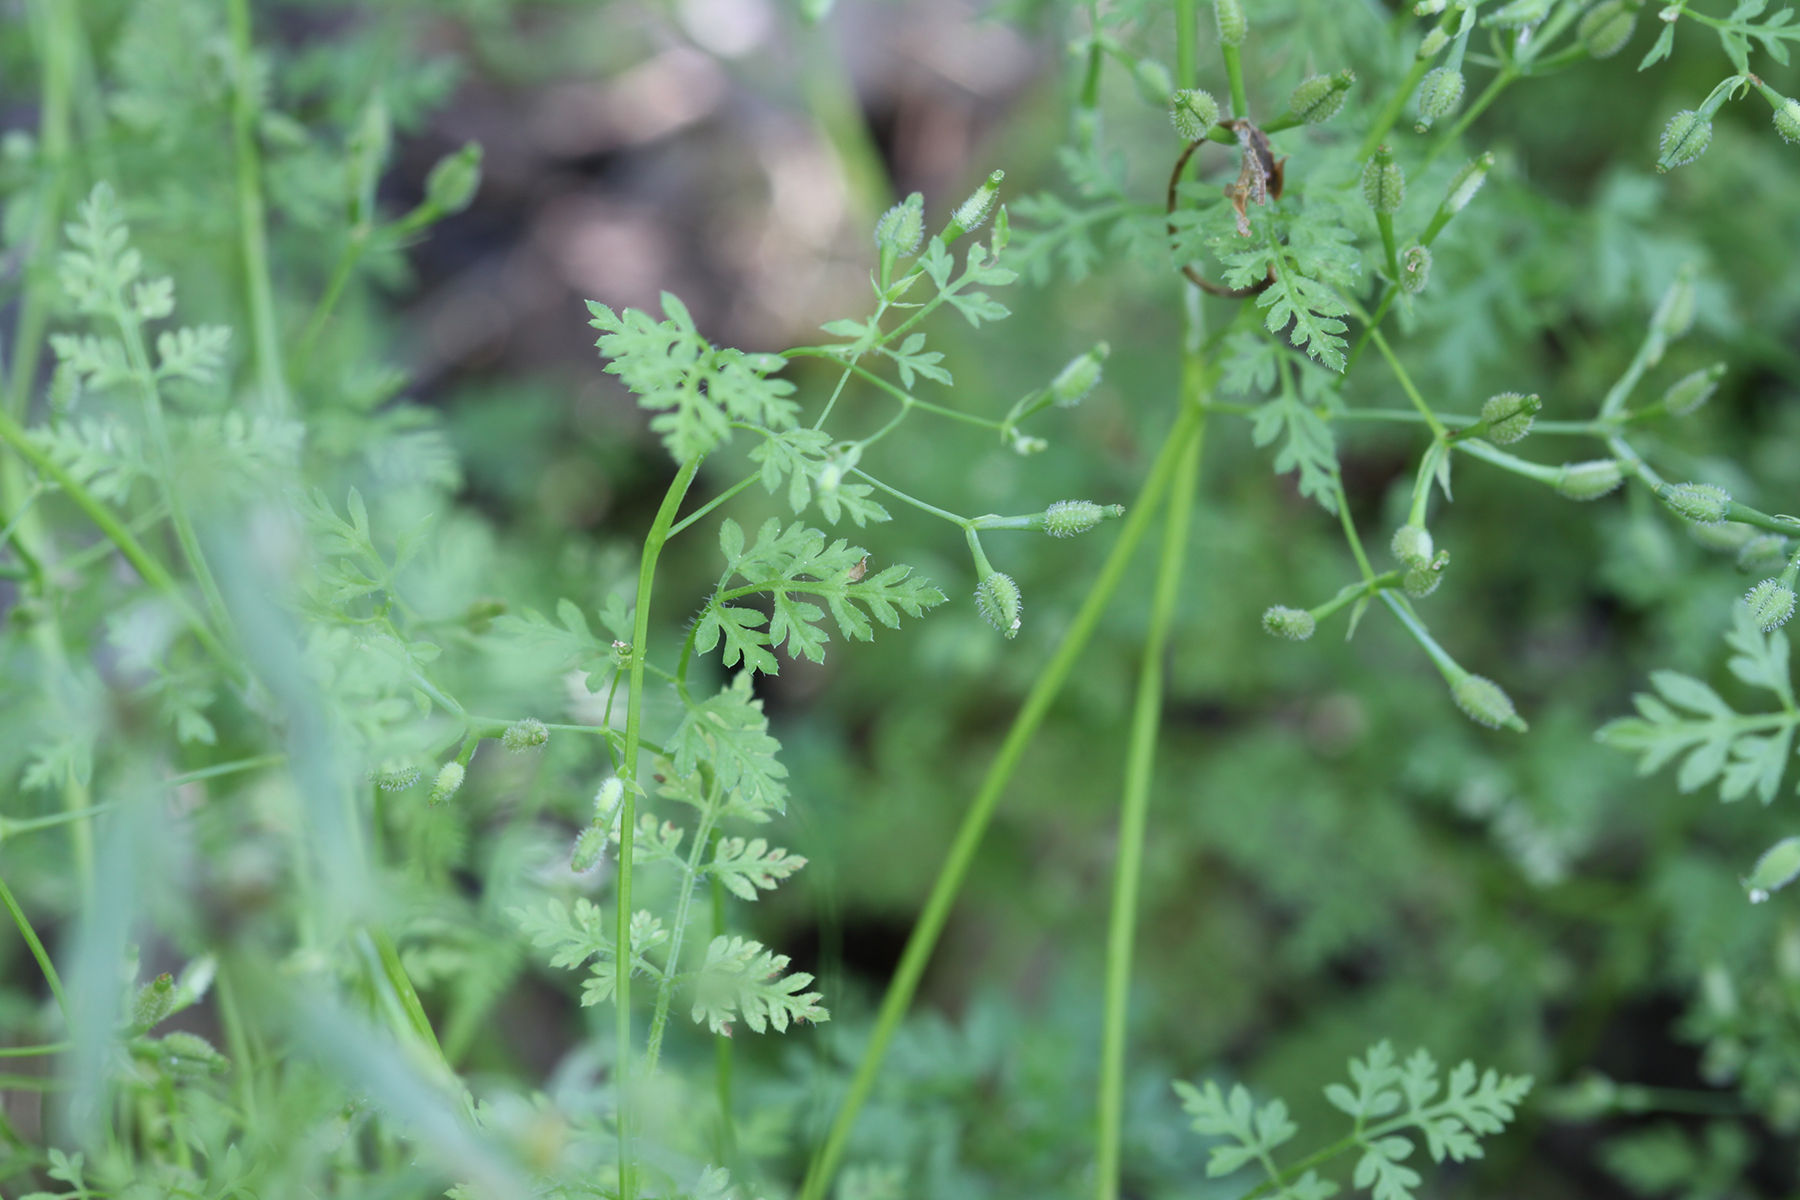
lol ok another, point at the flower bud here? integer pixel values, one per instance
(973, 211)
(1194, 112)
(1701, 503)
(1508, 417)
(394, 776)
(1383, 182)
(590, 845)
(1412, 545)
(1771, 603)
(1415, 268)
(1295, 624)
(1075, 381)
(1776, 869)
(1321, 97)
(997, 597)
(1024, 445)
(524, 735)
(1607, 27)
(1422, 579)
(1484, 703)
(154, 1001)
(452, 183)
(1691, 391)
(1684, 139)
(902, 227)
(1787, 120)
(1764, 552)
(1590, 480)
(1434, 42)
(1153, 81)
(1440, 95)
(1066, 518)
(1467, 182)
(1232, 25)
(449, 780)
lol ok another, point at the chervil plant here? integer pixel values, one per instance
(340, 775)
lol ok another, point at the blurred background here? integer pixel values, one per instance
(1336, 855)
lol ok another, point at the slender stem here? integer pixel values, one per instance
(148, 568)
(1499, 83)
(401, 982)
(1140, 766)
(334, 289)
(37, 948)
(252, 219)
(690, 878)
(721, 498)
(1391, 111)
(1406, 383)
(628, 772)
(1385, 223)
(32, 1051)
(1187, 43)
(975, 821)
(722, 1043)
(59, 23)
(1350, 534)
(227, 768)
(959, 522)
(1234, 73)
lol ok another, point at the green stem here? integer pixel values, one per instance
(722, 1046)
(33, 1051)
(1406, 383)
(37, 948)
(690, 878)
(1499, 83)
(59, 26)
(1187, 43)
(721, 498)
(974, 824)
(148, 568)
(1391, 111)
(334, 289)
(1140, 767)
(252, 219)
(1385, 223)
(628, 772)
(1234, 72)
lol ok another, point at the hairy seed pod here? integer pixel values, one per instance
(1777, 868)
(1422, 579)
(1590, 480)
(524, 735)
(1467, 182)
(189, 1056)
(1607, 27)
(1787, 120)
(1701, 503)
(1193, 112)
(154, 1001)
(1066, 518)
(1674, 314)
(1691, 391)
(1411, 544)
(1229, 15)
(590, 845)
(902, 227)
(608, 798)
(973, 211)
(1434, 42)
(1320, 97)
(1383, 182)
(1153, 81)
(1684, 139)
(997, 598)
(1078, 378)
(1295, 624)
(1764, 552)
(451, 186)
(1440, 94)
(1509, 416)
(1415, 268)
(449, 780)
(1771, 603)
(1484, 703)
(1727, 537)
(394, 776)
